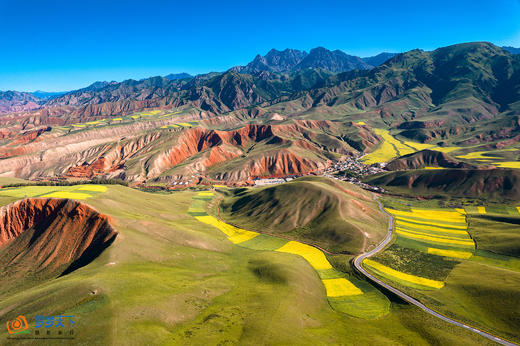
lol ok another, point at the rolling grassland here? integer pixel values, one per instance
(175, 280)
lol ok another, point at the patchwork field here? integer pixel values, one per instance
(439, 257)
(503, 158)
(393, 147)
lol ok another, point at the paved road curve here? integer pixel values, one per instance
(404, 296)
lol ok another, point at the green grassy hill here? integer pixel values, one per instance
(337, 216)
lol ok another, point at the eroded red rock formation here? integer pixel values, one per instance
(50, 237)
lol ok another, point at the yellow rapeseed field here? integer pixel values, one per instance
(420, 223)
(518, 208)
(117, 119)
(205, 193)
(95, 188)
(439, 215)
(315, 257)
(219, 186)
(449, 253)
(481, 210)
(95, 122)
(403, 276)
(67, 194)
(361, 123)
(428, 215)
(234, 234)
(385, 152)
(419, 232)
(430, 238)
(460, 210)
(508, 164)
(477, 155)
(154, 112)
(408, 225)
(340, 287)
(174, 113)
(431, 167)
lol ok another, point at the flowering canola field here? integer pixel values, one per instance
(389, 149)
(392, 147)
(436, 232)
(315, 257)
(445, 227)
(450, 253)
(394, 274)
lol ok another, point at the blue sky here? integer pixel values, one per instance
(62, 45)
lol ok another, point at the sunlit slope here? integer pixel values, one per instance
(174, 280)
(335, 215)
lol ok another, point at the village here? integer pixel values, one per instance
(349, 169)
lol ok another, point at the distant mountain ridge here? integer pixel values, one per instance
(379, 59)
(173, 87)
(512, 50)
(273, 61)
(464, 82)
(175, 76)
(293, 60)
(17, 101)
(45, 95)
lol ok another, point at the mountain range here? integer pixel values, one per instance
(268, 123)
(287, 61)
(274, 75)
(477, 79)
(292, 60)
(512, 49)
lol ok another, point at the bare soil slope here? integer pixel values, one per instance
(44, 238)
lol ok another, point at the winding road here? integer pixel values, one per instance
(359, 259)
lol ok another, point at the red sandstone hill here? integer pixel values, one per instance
(45, 238)
(138, 152)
